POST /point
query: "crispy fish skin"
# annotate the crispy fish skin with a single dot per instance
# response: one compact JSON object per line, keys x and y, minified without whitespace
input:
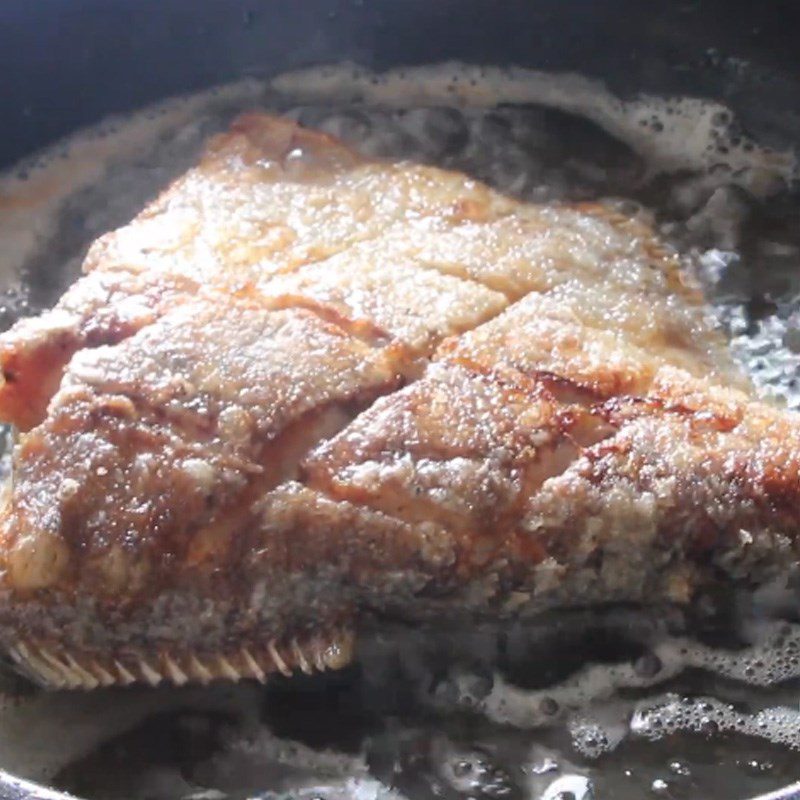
{"x":266,"y":198}
{"x":302,"y":386}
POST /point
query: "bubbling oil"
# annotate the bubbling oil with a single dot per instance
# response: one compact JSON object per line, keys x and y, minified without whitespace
{"x":772,"y":656}
{"x":508,"y":714}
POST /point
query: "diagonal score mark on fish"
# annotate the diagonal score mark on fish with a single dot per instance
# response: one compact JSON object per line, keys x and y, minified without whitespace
{"x":304,"y":389}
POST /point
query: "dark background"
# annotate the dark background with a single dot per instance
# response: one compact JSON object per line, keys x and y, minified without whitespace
{"x":66,"y":63}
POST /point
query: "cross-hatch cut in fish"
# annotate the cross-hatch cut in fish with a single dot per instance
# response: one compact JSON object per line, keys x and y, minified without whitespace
{"x":303,"y":388}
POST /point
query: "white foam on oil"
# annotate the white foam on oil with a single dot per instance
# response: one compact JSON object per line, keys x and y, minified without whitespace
{"x":259,"y":758}
{"x":586,"y":699}
{"x":656,"y":718}
{"x":42,"y":734}
{"x":671,"y":134}
{"x":264,"y":746}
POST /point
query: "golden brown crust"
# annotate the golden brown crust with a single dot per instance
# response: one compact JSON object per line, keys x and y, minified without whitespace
{"x":151,"y":448}
{"x":302,"y":384}
{"x":268,"y":197}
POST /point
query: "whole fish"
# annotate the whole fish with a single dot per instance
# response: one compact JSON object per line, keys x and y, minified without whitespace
{"x":305,"y":389}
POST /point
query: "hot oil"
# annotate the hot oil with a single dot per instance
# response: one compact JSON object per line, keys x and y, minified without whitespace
{"x":390,"y":726}
{"x":628,"y":706}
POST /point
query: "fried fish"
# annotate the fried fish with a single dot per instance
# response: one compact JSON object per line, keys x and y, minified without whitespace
{"x":304,"y":388}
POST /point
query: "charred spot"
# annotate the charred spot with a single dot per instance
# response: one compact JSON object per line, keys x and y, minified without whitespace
{"x":595,"y":559}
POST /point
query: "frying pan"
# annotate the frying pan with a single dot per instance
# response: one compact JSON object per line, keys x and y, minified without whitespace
{"x":68,"y":63}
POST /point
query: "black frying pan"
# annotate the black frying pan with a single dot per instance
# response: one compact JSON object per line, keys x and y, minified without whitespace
{"x":68,"y":63}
